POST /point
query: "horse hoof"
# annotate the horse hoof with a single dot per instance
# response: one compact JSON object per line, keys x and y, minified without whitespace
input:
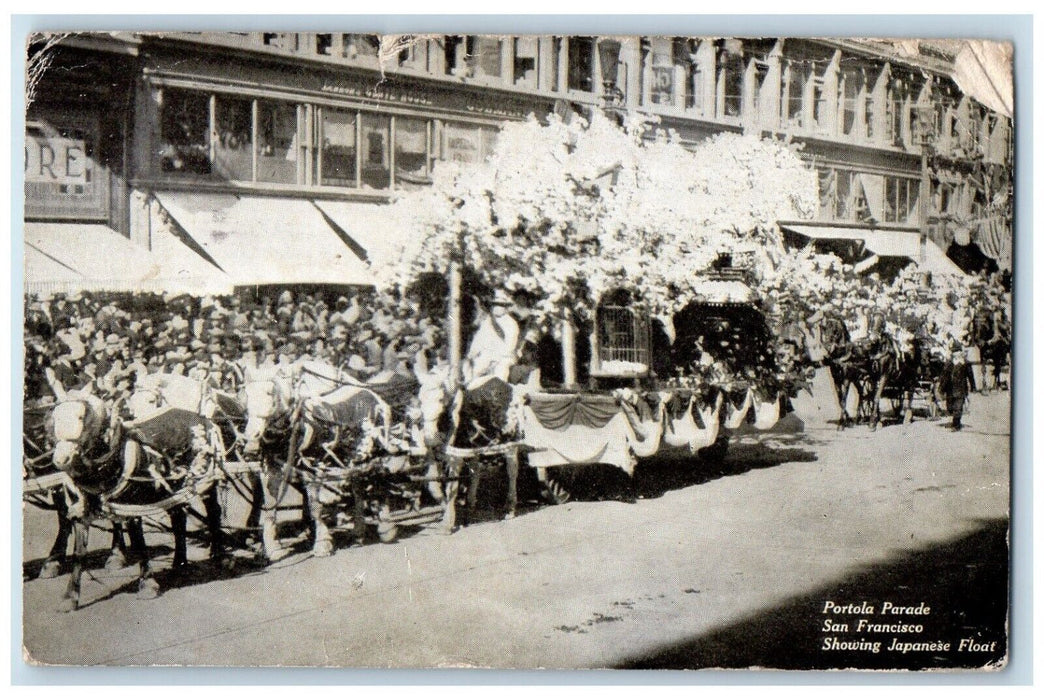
{"x":272,"y":556}
{"x":115,"y":562}
{"x":225,"y":562}
{"x":68,"y":605}
{"x":148,"y":589}
{"x":50,"y":569}
{"x":510,"y":515}
{"x":322,"y":548}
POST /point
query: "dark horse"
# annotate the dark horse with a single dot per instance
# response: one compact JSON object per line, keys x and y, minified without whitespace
{"x":991,"y":334}
{"x":125,"y":472}
{"x":838,"y":358}
{"x":889,"y":364}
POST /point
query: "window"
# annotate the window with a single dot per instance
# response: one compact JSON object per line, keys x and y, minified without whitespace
{"x":525,"y":66}
{"x":376,"y":164}
{"x":467,"y":143}
{"x":661,"y":91}
{"x":324,"y":44}
{"x":411,"y":150}
{"x":277,"y":155}
{"x":853,"y":90}
{"x":337,"y":152}
{"x":233,"y":147}
{"x":581,"y":63}
{"x":361,"y":45}
{"x":456,"y":56}
{"x":901,"y":196}
{"x":244,"y":139}
{"x":185,"y":132}
{"x":281,"y":40}
{"x":794,"y":81}
{"x":484,"y":56}
{"x":819,"y":101}
{"x":730,"y":83}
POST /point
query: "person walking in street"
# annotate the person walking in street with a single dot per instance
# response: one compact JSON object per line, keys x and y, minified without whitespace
{"x":956,"y":384}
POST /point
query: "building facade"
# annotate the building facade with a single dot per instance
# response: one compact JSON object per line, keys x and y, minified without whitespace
{"x":286,"y":142}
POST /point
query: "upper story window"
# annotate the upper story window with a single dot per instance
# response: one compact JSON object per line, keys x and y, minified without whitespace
{"x":485,"y":56}
{"x":854,"y":99}
{"x":901,"y":200}
{"x":277,"y":141}
{"x":526,"y":57}
{"x":287,"y":41}
{"x":184,"y":132}
{"x":467,"y":143}
{"x":360,"y":46}
{"x":338,"y":161}
{"x":581,"y":63}
{"x":795,"y":77}
{"x":672,"y":69}
{"x":730,"y":79}
{"x":845,"y":195}
{"x":245,"y":139}
{"x":234,"y":141}
{"x":412,"y":146}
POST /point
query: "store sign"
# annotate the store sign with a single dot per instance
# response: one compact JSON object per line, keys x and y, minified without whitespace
{"x":462,"y":144}
{"x":55,"y":159}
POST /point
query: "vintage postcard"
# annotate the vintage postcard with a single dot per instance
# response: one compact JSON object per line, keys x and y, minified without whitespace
{"x":517,"y":352}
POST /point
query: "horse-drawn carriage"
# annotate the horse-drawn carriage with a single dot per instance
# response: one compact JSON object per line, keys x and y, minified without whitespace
{"x":394,"y":451}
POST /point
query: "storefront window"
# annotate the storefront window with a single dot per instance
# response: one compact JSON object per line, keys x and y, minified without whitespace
{"x":233,"y":149}
{"x":376,"y":170}
{"x":411,"y":150}
{"x":338,"y":157}
{"x":185,"y":132}
{"x":276,"y":147}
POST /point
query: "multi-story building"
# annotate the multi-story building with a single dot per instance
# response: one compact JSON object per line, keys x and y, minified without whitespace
{"x":269,"y":155}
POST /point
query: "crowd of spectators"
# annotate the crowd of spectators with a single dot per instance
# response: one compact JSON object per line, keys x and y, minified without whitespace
{"x":102,"y":341}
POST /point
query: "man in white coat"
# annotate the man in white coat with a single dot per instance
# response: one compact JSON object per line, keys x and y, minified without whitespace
{"x":494,"y":349}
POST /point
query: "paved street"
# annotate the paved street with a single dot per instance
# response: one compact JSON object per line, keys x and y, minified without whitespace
{"x":714,"y":566}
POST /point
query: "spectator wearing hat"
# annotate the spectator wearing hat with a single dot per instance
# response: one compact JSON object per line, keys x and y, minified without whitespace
{"x":955,"y":384}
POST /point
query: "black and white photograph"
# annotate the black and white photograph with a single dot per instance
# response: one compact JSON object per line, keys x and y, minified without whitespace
{"x":517,"y":352}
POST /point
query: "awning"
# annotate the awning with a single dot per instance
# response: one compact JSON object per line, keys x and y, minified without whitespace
{"x":68,"y":257}
{"x":379,"y":237}
{"x":265,"y":240}
{"x":884,"y":244}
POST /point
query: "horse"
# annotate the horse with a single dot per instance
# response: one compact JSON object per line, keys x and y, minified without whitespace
{"x":837,"y":347}
{"x":990,"y":333}
{"x":115,"y":470}
{"x":894,"y":363}
{"x":310,"y":424}
{"x":44,"y":487}
{"x":269,"y":402}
